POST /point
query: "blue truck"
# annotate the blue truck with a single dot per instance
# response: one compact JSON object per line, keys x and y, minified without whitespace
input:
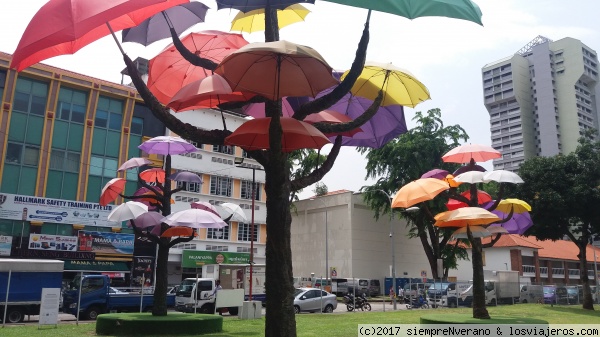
{"x":24,"y":280}
{"x":98,"y":297}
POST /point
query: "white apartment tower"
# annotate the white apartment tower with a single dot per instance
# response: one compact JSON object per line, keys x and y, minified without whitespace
{"x":541,"y":99}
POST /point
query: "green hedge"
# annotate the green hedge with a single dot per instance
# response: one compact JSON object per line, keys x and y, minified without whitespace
{"x":128,"y":324}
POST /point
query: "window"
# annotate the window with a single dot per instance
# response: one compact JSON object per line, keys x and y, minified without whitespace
{"x":220,"y":186}
{"x":190,"y":187}
{"x":137,"y":126}
{"x":109,"y":113}
{"x":246,"y":250}
{"x":247,"y":190}
{"x":30,"y":96}
{"x":244,"y":232}
{"x":64,"y":161}
{"x":212,"y":248}
{"x":71,"y":105}
{"x":2,"y":82}
{"x":223,"y":149}
{"x":218,"y":233}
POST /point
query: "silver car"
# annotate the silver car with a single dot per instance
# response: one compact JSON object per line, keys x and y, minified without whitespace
{"x":312,"y":300}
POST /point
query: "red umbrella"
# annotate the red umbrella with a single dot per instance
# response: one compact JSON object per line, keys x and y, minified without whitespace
{"x":333,"y":117}
{"x":64,"y":26}
{"x":482,"y":197}
{"x":168,"y":72}
{"x":178,"y":231}
{"x":207,"y":92}
{"x":153,"y":175}
{"x":466,"y":152}
{"x":254,"y":135}
{"x":111,"y":191}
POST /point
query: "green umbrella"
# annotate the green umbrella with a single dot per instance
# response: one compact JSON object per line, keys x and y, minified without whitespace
{"x":412,"y":9}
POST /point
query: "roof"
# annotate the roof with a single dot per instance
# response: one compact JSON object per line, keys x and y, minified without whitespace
{"x":514,"y":240}
{"x":329,"y":193}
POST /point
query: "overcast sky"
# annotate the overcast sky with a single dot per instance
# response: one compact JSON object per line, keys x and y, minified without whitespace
{"x":445,"y":54}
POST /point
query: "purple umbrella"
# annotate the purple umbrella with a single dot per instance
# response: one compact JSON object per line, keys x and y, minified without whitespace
{"x":518,"y":224}
{"x":250,"y":5}
{"x":147,"y":219}
{"x":167,"y":145}
{"x":134,"y":162}
{"x":207,"y":206}
{"x":436,"y":173}
{"x":186,"y":177}
{"x":195,"y":218}
{"x":156,"y":27}
{"x":468,"y":168}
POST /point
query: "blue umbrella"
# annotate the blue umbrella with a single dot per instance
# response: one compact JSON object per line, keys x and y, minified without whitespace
{"x":250,"y":5}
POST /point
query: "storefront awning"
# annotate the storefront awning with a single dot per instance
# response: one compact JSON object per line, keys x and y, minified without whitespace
{"x":98,"y":266}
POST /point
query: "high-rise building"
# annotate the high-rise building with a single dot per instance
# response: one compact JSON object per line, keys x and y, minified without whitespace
{"x":541,"y":99}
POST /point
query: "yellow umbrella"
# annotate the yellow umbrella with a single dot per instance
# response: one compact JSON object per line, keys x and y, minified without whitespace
{"x":254,"y":21}
{"x":466,"y":216}
{"x":518,"y":205}
{"x":417,"y":191}
{"x":399,"y":86}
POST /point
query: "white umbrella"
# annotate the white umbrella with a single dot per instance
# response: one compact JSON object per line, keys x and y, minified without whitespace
{"x":235,"y":211}
{"x":134,"y":162}
{"x":497,"y":230}
{"x":502,"y":176}
{"x":195,"y":218}
{"x":477,"y":231}
{"x":471,"y":177}
{"x":207,"y":206}
{"x":127,"y":211}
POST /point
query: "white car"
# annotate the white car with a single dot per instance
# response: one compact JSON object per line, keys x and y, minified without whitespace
{"x":313,"y":300}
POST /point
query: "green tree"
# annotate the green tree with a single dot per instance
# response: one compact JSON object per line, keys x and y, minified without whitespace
{"x":404,"y":160}
{"x":564,"y":193}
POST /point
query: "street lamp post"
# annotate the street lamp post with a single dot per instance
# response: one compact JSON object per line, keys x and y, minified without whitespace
{"x":408,"y":210}
{"x":238,"y":162}
{"x":326,"y":243}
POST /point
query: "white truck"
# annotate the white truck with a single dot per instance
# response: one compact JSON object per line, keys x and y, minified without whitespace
{"x":502,"y":286}
{"x":194,"y":294}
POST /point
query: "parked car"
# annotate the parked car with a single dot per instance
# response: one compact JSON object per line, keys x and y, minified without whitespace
{"x":549,"y":294}
{"x":312,"y":300}
{"x":567,"y":295}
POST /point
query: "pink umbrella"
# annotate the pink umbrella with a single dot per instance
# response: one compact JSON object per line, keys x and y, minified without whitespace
{"x":186,"y":177}
{"x":466,"y":152}
{"x":167,"y":145}
{"x":257,"y":110}
{"x":207,"y":92}
{"x":134,"y":162}
{"x":153,"y":175}
{"x":333,"y":117}
{"x":195,"y":218}
{"x":436,"y":173}
{"x":147,"y":219}
{"x":205,"y":206}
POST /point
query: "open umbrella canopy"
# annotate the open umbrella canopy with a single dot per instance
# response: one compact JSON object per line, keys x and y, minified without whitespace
{"x":153,"y":175}
{"x":156,"y":28}
{"x":417,"y":191}
{"x":482,"y":196}
{"x":254,"y":21}
{"x":399,"y":86}
{"x":134,"y":162}
{"x":412,"y":9}
{"x":234,"y":211}
{"x":111,"y":191}
{"x":250,"y":5}
{"x":502,"y":176}
{"x":205,"y":206}
{"x":464,"y":153}
{"x":257,"y":110}
{"x":206,"y":92}
{"x":168,"y":72}
{"x":519,"y":223}
{"x":254,"y":135}
{"x":516,"y":205}
{"x":436,"y":173}
{"x":167,"y":145}
{"x":186,"y":177}
{"x":127,"y":211}
{"x":469,"y":167}
{"x":194,"y":218}
{"x":471,"y":177}
{"x":450,"y":180}
{"x":284,"y":69}
{"x":466,"y":216}
{"x":64,"y":26}
{"x":178,"y":231}
{"x":332,"y":117}
{"x":147,"y":219}
{"x":476,"y":231}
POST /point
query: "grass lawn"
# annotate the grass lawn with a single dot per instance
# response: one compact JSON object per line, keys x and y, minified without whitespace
{"x":338,"y":325}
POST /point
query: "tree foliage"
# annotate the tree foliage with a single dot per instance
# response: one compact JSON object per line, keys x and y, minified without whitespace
{"x":564,"y":194}
{"x":404,"y":160}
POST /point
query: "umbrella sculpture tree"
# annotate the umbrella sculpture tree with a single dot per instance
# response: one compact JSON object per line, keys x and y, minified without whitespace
{"x":405,"y":159}
{"x":564,"y":192}
{"x":280,"y":317}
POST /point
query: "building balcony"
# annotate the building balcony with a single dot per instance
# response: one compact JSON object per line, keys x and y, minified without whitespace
{"x":573,"y":273}
{"x":543,"y":271}
{"x":558,"y":272}
{"x":528,"y":271}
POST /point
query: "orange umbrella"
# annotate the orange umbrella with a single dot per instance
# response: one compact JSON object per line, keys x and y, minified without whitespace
{"x":333,"y":117}
{"x":207,"y":92}
{"x":417,"y":191}
{"x":482,"y":197}
{"x":466,"y":152}
{"x":450,"y":180}
{"x":111,"y":190}
{"x":153,"y":175}
{"x":254,"y":135}
{"x":466,"y":216}
{"x":178,"y":231}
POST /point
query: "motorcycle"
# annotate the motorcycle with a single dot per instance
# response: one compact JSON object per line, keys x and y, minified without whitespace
{"x":416,"y":302}
{"x":359,"y":302}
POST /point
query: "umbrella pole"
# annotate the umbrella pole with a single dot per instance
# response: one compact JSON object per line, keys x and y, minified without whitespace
{"x":167,"y":19}
{"x":115,"y":37}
